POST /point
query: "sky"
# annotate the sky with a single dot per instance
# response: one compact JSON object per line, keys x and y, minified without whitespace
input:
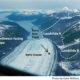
{"x":39,"y":4}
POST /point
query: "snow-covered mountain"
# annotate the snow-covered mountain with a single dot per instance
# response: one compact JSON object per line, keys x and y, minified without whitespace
{"x":35,"y":12}
{"x":66,"y":9}
{"x":51,"y":11}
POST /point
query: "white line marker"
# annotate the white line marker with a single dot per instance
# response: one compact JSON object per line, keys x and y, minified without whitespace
{"x":52,"y":25}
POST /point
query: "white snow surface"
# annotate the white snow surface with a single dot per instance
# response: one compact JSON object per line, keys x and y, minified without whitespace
{"x":39,"y":65}
{"x":36,"y":12}
{"x":70,"y":10}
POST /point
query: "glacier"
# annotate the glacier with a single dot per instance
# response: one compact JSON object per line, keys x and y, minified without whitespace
{"x":38,"y":65}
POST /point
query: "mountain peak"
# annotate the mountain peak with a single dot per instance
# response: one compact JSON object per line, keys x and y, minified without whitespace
{"x":75,"y":10}
{"x":70,"y":10}
{"x":66,"y":9}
